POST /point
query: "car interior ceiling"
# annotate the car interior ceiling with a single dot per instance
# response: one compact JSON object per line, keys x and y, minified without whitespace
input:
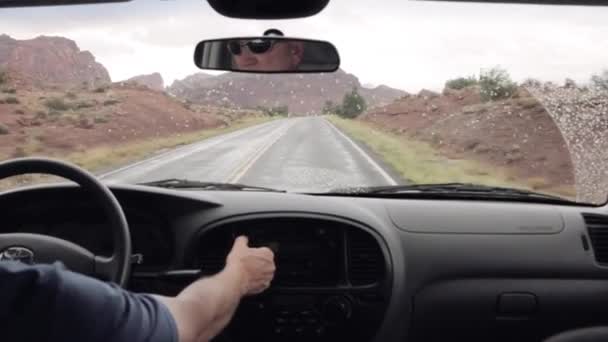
{"x":355,"y":268}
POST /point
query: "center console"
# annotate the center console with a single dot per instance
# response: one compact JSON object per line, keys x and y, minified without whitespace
{"x":331,"y":281}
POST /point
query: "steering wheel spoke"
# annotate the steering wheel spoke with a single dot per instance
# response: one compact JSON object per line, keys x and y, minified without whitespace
{"x":105,"y":267}
{"x":43,"y":249}
{"x":35,"y":248}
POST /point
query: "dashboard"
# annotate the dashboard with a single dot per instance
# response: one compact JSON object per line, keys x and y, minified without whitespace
{"x":356,"y":269}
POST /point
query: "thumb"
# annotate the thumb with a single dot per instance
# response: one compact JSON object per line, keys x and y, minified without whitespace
{"x":241,"y":241}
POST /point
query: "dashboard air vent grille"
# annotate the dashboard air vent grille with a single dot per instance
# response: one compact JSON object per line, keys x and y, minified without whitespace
{"x":213,"y":252}
{"x":366,"y":261}
{"x":597,"y":225}
{"x":211,"y":263}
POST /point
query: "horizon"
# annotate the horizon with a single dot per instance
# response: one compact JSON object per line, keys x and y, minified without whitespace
{"x":167,"y":84}
{"x":410,"y":51}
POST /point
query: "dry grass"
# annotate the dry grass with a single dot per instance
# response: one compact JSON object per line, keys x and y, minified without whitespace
{"x":105,"y":158}
{"x":108,"y":157}
{"x":420,"y":163}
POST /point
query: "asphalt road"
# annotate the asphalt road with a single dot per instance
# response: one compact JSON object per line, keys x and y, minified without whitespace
{"x":298,"y":154}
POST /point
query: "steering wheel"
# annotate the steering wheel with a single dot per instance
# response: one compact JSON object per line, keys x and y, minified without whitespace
{"x":46,"y":249}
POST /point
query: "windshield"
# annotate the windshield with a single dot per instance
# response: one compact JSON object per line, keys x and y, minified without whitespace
{"x":504,"y":95}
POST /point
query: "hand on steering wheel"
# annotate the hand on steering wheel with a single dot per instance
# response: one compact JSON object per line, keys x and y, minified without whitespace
{"x":47,"y":249}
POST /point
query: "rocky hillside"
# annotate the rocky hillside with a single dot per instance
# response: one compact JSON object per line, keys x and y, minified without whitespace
{"x":582,"y":116}
{"x":153,"y":81}
{"x":55,"y":122}
{"x":302,"y":93}
{"x":49,"y":62}
{"x":58,"y":100}
{"x":517,"y":134}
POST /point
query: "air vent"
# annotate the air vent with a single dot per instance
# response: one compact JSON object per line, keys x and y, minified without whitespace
{"x":597,"y":225}
{"x":212,"y":252}
{"x":211,"y":263}
{"x":366,"y":262}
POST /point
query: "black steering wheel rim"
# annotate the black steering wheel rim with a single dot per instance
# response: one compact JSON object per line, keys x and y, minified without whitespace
{"x":116,"y":268}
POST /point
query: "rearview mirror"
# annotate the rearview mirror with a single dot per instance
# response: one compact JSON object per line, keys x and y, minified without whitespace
{"x":267,"y":55}
{"x":268,"y":9}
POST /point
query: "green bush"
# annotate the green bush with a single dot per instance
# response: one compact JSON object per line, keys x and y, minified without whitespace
{"x":12,"y":100}
{"x":57,"y":104}
{"x":110,"y":102}
{"x":461,"y":82}
{"x":84,"y":104}
{"x":85,"y":122}
{"x":101,"y":119}
{"x":353,"y":104}
{"x":331,"y":108}
{"x":531,"y":83}
{"x":496,"y":84}
{"x":3,"y":77}
{"x":600,"y":81}
{"x":274,"y":111}
{"x":279,"y":111}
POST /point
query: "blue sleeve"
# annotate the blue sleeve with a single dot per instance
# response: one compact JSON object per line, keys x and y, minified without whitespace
{"x":49,"y":303}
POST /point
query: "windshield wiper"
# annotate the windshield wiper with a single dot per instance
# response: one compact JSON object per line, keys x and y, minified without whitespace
{"x":452,"y":190}
{"x":174,"y":183}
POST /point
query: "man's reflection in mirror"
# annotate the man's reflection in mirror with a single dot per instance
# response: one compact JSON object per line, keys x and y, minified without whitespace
{"x":266,"y":54}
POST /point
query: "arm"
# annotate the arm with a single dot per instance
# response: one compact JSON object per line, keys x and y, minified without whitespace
{"x":50,"y":303}
{"x":205,"y":307}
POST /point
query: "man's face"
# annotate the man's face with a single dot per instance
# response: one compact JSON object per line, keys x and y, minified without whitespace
{"x":282,"y":56}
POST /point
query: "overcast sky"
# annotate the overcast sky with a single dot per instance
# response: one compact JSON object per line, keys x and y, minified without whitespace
{"x":404,"y":44}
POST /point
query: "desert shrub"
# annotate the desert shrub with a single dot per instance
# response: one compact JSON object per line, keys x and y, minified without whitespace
{"x":56,"y":103}
{"x":84,"y":104}
{"x":496,"y":84}
{"x":19,"y":112}
{"x":4,"y":129}
{"x":85,"y":122}
{"x":19,"y":152}
{"x":110,"y":102}
{"x":3,"y":76}
{"x":101,"y":89}
{"x":531,"y":83}
{"x":40,"y":115}
{"x":528,"y":102}
{"x":12,"y":100}
{"x":331,"y":108}
{"x":101,"y":119}
{"x":353,"y":104}
{"x":70,"y":95}
{"x":9,"y":91}
{"x":274,"y":111}
{"x":461,"y":82}
{"x":600,"y":81}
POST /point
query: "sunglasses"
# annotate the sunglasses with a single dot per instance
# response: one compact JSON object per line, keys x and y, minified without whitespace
{"x":257,"y":46}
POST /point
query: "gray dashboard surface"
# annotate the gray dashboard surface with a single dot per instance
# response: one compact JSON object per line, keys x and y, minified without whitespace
{"x":429,"y":243}
{"x":475,"y":217}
